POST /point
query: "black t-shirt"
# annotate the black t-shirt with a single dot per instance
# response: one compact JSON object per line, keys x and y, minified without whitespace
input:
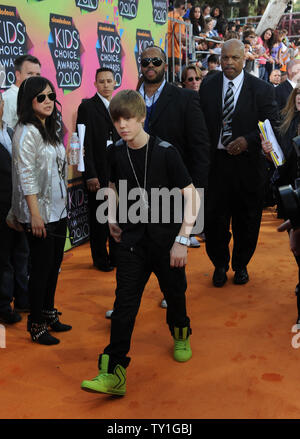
{"x":177,"y":172}
{"x":137,"y":157}
{"x":121,"y":169}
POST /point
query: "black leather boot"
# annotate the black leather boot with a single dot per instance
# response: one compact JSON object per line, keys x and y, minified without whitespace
{"x":39,"y":333}
{"x":52,"y":320}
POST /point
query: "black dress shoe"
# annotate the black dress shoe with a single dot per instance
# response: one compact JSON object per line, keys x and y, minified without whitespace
{"x":241,"y":276}
{"x":10,"y":317}
{"x":219,"y":277}
{"x":104,"y":267}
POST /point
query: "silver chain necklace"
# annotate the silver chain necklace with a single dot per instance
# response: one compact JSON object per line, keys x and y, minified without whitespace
{"x":143,"y":190}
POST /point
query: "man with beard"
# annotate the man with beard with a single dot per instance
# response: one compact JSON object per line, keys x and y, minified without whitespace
{"x":174,"y":114}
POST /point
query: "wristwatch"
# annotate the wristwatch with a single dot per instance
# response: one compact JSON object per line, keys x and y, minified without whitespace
{"x":182,"y":240}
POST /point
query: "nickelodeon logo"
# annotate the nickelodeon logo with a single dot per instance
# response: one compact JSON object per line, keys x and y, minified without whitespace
{"x":61,"y":21}
{"x":6,"y":12}
{"x":106,"y":28}
{"x":144,"y":34}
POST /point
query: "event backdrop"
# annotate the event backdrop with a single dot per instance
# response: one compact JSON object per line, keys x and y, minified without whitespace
{"x":72,"y":38}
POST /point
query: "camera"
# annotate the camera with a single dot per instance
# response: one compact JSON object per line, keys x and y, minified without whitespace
{"x":290,"y":197}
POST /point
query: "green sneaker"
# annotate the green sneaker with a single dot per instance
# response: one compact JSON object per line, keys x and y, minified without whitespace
{"x":112,"y":383}
{"x":182,"y":348}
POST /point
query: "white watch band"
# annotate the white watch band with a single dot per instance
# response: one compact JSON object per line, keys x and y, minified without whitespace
{"x":182,"y":240}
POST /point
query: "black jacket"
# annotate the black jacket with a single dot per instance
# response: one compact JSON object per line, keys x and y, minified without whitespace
{"x":5,"y":178}
{"x":99,"y":128}
{"x":282,"y":93}
{"x":256,"y":103}
{"x":178,"y":119}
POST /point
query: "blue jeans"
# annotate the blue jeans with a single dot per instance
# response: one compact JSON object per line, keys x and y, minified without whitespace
{"x":263,"y":74}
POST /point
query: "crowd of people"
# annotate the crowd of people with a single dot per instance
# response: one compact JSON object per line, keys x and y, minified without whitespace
{"x":266,"y":55}
{"x":201,"y":134}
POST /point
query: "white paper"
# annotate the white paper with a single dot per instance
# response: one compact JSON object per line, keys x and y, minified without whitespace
{"x":81,"y":134}
{"x":275,"y":145}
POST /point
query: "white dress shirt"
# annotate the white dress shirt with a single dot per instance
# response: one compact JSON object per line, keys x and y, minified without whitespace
{"x":104,"y":100}
{"x":237,"y":85}
{"x":293,"y":84}
{"x":5,"y":139}
{"x":10,"y":97}
{"x":150,"y":101}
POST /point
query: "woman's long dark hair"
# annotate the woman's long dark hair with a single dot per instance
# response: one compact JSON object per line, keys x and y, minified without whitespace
{"x":269,"y":42}
{"x":195,"y":22}
{"x":221,"y":13}
{"x":28,"y":90}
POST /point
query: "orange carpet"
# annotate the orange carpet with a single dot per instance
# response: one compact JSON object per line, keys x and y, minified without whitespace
{"x":243,"y":364}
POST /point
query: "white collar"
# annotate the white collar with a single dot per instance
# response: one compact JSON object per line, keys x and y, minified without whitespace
{"x":293,"y":84}
{"x":158,"y":91}
{"x":14,"y":87}
{"x":104,"y":100}
{"x":236,"y":81}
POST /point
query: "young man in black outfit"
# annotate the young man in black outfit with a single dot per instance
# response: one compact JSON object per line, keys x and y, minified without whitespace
{"x":144,"y":164}
{"x":99,"y":133}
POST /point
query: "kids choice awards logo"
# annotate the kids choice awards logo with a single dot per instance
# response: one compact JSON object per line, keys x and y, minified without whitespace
{"x":87,"y":5}
{"x":64,"y":44}
{"x":109,"y":50}
{"x":143,"y":41}
{"x":160,"y":11}
{"x":13,"y":43}
{"x":128,"y":8}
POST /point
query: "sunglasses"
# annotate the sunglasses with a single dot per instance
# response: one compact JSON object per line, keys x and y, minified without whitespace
{"x":197,"y":78}
{"x":155,"y":61}
{"x":40,"y":98}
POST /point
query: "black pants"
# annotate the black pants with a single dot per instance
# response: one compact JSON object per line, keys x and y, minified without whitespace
{"x":14,"y":256}
{"x":99,"y":233}
{"x":229,"y":202}
{"x":46,"y":257}
{"x":134,"y":267}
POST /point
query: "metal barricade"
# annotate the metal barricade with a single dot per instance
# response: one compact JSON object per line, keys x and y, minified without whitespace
{"x":190,"y":52}
{"x":195,"y":51}
{"x":185,"y":46}
{"x":289,"y":21}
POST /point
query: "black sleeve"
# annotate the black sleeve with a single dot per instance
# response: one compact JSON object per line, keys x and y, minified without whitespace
{"x":267,"y":109}
{"x":177,"y":172}
{"x":111,"y":163}
{"x":197,"y":142}
{"x":279,"y":97}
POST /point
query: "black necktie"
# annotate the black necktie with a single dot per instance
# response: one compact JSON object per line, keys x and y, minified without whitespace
{"x":227,"y":115}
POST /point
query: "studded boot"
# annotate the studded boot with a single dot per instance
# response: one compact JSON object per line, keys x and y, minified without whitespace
{"x":52,"y":320}
{"x":39,"y":333}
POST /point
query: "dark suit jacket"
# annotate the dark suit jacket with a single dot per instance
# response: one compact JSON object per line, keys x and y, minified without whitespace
{"x":5,"y":179}
{"x":178,"y":119}
{"x":256,"y":103}
{"x":282,"y":93}
{"x":99,"y":128}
